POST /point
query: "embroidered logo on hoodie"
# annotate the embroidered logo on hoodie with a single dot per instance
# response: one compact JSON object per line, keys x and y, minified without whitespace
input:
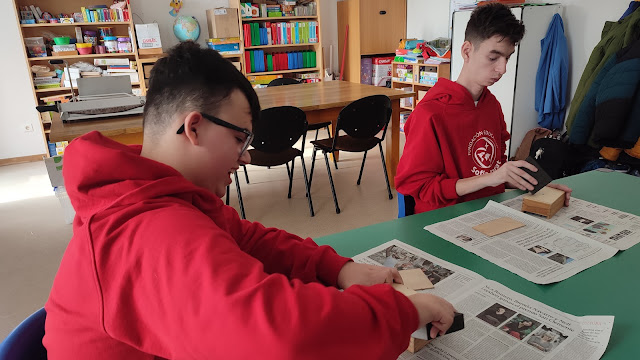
{"x":483,"y":149}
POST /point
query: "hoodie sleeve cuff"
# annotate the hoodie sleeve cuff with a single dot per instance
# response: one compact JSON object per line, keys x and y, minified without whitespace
{"x":449,"y":188}
{"x":331,"y":266}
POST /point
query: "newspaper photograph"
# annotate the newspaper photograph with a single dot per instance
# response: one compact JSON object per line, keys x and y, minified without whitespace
{"x":499,"y":323}
{"x":609,"y":226}
{"x":538,"y":251}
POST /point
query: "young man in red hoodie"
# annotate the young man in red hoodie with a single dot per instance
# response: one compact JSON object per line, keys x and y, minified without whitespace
{"x":456,"y":137}
{"x":159,"y":268}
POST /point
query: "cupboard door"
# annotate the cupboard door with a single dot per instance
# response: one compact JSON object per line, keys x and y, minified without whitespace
{"x":382,"y":24}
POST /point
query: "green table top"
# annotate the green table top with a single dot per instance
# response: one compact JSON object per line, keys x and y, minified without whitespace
{"x":608,"y":288}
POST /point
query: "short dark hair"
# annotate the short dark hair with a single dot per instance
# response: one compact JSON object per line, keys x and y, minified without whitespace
{"x":493,"y":19}
{"x":191,"y":78}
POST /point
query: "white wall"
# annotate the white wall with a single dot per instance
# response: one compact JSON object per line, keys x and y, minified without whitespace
{"x":427,"y":19}
{"x":17,"y":105}
{"x":154,"y":11}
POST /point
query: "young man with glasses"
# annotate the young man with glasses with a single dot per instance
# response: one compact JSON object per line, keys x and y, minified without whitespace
{"x":159,"y":267}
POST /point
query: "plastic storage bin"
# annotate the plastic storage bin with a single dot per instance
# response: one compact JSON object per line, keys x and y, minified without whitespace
{"x":36,"y":46}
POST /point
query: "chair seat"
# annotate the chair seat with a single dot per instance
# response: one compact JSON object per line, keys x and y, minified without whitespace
{"x":260,"y":158}
{"x":318,"y":126}
{"x":347,"y":143}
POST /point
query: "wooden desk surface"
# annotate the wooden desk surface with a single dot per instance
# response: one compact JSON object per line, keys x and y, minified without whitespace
{"x":308,"y":97}
{"x":111,"y":127}
{"x":323,"y":95}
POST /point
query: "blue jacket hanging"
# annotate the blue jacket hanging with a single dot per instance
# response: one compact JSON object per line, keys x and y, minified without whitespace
{"x":552,"y":76}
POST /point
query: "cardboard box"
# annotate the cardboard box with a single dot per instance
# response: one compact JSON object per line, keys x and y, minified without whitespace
{"x":223,"y":23}
{"x":146,"y":68}
{"x":381,"y":70}
{"x":148,"y":36}
{"x":54,"y":169}
{"x":421,"y":94}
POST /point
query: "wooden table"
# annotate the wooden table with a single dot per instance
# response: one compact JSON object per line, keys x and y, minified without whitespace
{"x":321,"y":102}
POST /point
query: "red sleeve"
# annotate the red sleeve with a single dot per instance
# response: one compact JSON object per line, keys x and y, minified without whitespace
{"x":285,"y":253}
{"x":504,"y":135}
{"x":421,"y":171}
{"x":196,"y":294}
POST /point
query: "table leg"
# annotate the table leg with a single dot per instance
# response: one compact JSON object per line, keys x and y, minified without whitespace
{"x":392,"y":155}
{"x":324,"y":115}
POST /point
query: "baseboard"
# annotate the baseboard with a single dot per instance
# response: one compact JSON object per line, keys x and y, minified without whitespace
{"x":21,"y":159}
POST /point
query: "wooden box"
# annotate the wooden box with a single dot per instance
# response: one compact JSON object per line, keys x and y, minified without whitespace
{"x":545,"y":202}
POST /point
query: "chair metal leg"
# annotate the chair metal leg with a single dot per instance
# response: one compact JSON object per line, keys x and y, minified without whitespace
{"x":227,"y":197}
{"x":328,"y":131}
{"x":288,"y":170}
{"x":306,"y":184}
{"x":384,"y":168}
{"x":362,"y":167}
{"x":293,"y":162}
{"x":335,"y":162}
{"x":242,"y":214}
{"x":246,"y":176}
{"x":333,"y":189}
{"x":313,"y":163}
{"x":317,"y":131}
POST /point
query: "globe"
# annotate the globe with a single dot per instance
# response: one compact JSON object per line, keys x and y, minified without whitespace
{"x":186,"y":28}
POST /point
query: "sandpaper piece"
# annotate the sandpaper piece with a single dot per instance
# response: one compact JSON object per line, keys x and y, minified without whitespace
{"x":415,"y":279}
{"x":498,"y":226}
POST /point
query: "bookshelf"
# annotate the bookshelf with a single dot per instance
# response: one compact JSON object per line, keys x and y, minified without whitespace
{"x":54,"y":7}
{"x":314,"y":64}
{"x":416,"y":84}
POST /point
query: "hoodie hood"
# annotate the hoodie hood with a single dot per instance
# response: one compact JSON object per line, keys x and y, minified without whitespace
{"x":451,"y":93}
{"x":100,"y":173}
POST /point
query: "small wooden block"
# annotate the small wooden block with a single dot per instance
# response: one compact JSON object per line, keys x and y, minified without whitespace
{"x":498,"y":226}
{"x":416,"y":344}
{"x":545,"y":202}
{"x":415,"y":279}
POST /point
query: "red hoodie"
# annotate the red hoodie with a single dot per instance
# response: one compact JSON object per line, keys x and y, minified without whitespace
{"x":450,"y":138}
{"x":160,"y":268}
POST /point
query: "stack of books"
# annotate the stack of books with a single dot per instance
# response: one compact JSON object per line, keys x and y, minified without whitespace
{"x":258,"y":61}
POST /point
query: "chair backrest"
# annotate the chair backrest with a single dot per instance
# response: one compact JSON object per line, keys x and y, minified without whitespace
{"x":25,"y":341}
{"x":279,"y":128}
{"x":366,"y":117}
{"x":283,"y":81}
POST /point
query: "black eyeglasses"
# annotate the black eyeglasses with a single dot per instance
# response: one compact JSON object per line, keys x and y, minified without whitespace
{"x":223,"y":123}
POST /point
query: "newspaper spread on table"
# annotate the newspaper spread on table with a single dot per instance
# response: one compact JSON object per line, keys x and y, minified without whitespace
{"x":499,"y":323}
{"x":606,"y":225}
{"x":540,"y":251}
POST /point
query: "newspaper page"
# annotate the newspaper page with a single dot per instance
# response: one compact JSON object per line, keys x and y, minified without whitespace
{"x":502,"y":324}
{"x":450,"y":279}
{"x":499,"y":323}
{"x":539,"y":251}
{"x":606,"y":225}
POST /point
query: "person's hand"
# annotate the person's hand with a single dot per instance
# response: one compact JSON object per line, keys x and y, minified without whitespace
{"x":512,"y":174}
{"x":363,"y":274}
{"x":567,"y":191}
{"x":435,"y":310}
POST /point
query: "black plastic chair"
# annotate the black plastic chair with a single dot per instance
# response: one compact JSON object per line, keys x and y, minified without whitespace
{"x":361,"y":120}
{"x":310,"y":127}
{"x":276,"y":133}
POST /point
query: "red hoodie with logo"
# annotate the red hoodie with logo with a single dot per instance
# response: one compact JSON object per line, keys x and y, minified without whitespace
{"x":449,"y":138}
{"x":160,"y":268}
